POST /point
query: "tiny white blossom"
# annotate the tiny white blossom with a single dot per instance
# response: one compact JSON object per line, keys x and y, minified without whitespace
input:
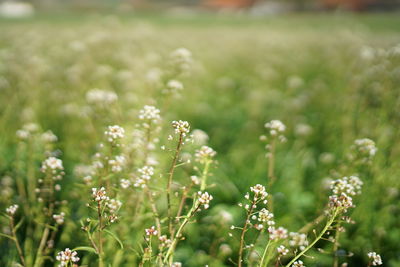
{"x":204,"y":154}
{"x":11,"y":210}
{"x":275,"y":127}
{"x":125,"y":183}
{"x":204,"y":199}
{"x":375,"y":258}
{"x":181,"y":127}
{"x":101,"y":97}
{"x":114,"y":133}
{"x":149,"y":113}
{"x":151,"y":231}
{"x":67,"y":256}
{"x":59,"y":218}
{"x":99,"y":194}
{"x":52,"y":163}
{"x":282,"y":250}
{"x":298,"y":263}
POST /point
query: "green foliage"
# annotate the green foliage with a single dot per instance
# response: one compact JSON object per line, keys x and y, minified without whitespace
{"x":331,"y":80}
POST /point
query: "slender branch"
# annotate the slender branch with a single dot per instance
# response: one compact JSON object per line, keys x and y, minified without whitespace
{"x":14,"y":234}
{"x":249,"y":213}
{"x":100,"y":234}
{"x":271,"y":172}
{"x":154,"y":210}
{"x":205,"y":175}
{"x":328,"y":224}
{"x":171,"y":175}
{"x":265,"y":254}
{"x":336,"y":246}
{"x":171,"y":249}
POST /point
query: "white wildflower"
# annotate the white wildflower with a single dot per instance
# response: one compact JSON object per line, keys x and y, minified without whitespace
{"x":181,"y":127}
{"x":67,"y":256}
{"x":99,"y":194}
{"x":204,"y":154}
{"x":11,"y":210}
{"x":204,"y":199}
{"x":375,"y":258}
{"x":275,"y":127}
{"x":125,"y":183}
{"x":149,"y":113}
{"x":59,"y":218}
{"x":114,"y":133}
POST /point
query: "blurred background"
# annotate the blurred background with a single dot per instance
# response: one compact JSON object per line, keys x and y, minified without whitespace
{"x":328,"y":69}
{"x":254,"y":7}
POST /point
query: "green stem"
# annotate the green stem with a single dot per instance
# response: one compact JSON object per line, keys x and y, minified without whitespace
{"x":14,"y":234}
{"x":171,"y":175}
{"x":264,"y":255}
{"x":328,"y":224}
{"x":205,"y":175}
{"x":170,"y":253}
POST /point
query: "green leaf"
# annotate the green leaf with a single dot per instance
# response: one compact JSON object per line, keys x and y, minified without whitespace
{"x":7,"y":236}
{"x":19,"y":224}
{"x":115,"y":237}
{"x":88,"y":249}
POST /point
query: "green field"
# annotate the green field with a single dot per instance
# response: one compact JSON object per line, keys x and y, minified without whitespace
{"x":331,"y":79}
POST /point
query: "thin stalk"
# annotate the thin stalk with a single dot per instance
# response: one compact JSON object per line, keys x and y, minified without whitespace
{"x":249,"y":213}
{"x":205,"y":175}
{"x":100,"y":235}
{"x":328,"y":224}
{"x":171,"y":175}
{"x":170,"y":253}
{"x":271,"y":173}
{"x":154,"y":210}
{"x":336,"y":246}
{"x":14,"y":234}
{"x":265,"y":254}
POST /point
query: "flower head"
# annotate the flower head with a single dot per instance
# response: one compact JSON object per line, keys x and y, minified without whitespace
{"x":259,"y":192}
{"x":149,"y":113}
{"x":67,"y":256}
{"x":375,"y":258}
{"x":99,"y":194}
{"x":204,"y":199}
{"x":181,"y":127}
{"x":282,"y":250}
{"x":204,"y":154}
{"x":101,"y":97}
{"x":59,"y":218}
{"x":277,"y":233}
{"x":298,"y":263}
{"x":114,"y":133}
{"x":11,"y":210}
{"x":275,"y":127}
{"x":52,"y":163}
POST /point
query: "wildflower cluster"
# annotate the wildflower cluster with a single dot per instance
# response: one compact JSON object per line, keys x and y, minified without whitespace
{"x":204,"y":154}
{"x":145,"y":174}
{"x":342,"y":190}
{"x":106,"y":207}
{"x":114,"y":133}
{"x":181,"y":127}
{"x":364,"y":150}
{"x":204,"y":199}
{"x":275,"y":129}
{"x":149,"y":114}
{"x":67,"y":257}
{"x":11,"y":210}
{"x":375,"y":259}
{"x":181,"y":59}
{"x":100,"y":97}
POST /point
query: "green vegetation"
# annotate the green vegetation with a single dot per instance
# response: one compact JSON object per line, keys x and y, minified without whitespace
{"x":330,"y":79}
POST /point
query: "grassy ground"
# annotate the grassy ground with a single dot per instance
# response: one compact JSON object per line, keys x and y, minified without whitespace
{"x":330,"y":79}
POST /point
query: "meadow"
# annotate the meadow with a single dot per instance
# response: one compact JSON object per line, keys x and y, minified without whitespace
{"x":200,"y":140}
